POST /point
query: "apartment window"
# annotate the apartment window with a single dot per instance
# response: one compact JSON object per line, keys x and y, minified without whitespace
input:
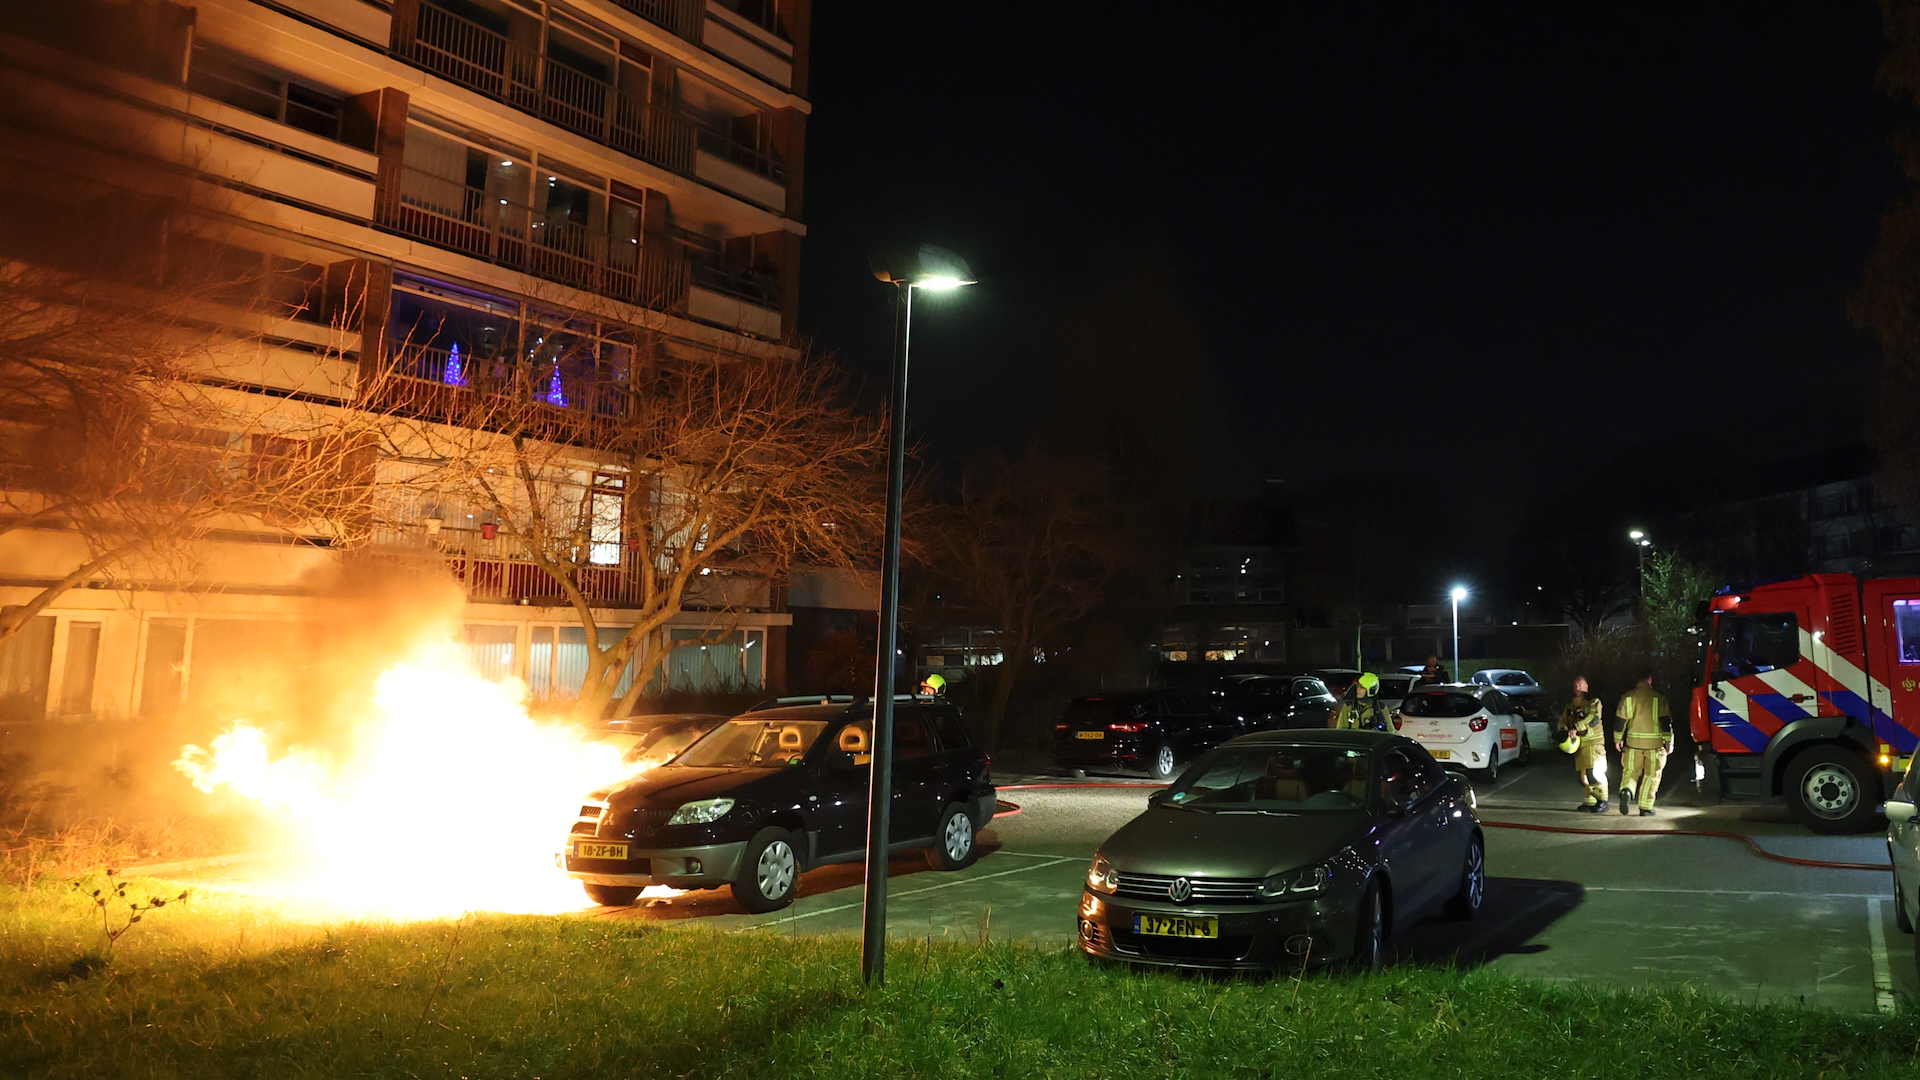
{"x":232,"y":79}
{"x":606,"y":503}
{"x":442,"y":335}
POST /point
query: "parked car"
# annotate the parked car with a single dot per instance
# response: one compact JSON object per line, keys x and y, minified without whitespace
{"x":1337,"y":679}
{"x":1394,"y":686}
{"x":1150,"y":731}
{"x":1466,"y":726}
{"x":1903,"y":849}
{"x":1527,"y":696}
{"x":1286,"y":847}
{"x":654,"y":739}
{"x":770,"y":794}
{"x":1284,"y":702}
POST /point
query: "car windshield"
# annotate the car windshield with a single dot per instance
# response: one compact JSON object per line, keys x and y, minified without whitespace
{"x":659,"y":743}
{"x":1513,"y":678}
{"x":756,"y":744}
{"x":1395,"y":685}
{"x":1440,"y":703}
{"x":1275,"y":779}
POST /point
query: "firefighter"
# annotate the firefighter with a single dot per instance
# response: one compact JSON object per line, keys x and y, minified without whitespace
{"x":1644,"y":739}
{"x":1433,"y":672}
{"x":1583,"y":728}
{"x":1361,"y":710}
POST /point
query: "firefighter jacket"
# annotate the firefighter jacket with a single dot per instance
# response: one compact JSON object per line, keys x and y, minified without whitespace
{"x":1364,"y":715}
{"x":1581,"y":719}
{"x":1645,"y":721}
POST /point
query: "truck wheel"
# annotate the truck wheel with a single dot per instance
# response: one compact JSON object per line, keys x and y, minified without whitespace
{"x":1831,"y":790}
{"x":612,"y":895}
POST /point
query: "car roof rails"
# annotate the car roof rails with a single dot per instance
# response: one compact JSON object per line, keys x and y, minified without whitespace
{"x":805,"y":699}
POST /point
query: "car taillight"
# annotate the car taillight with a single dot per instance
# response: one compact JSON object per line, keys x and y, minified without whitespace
{"x":1061,"y":726}
{"x":1478,"y":723}
{"x":1130,"y":725}
{"x":1396,"y":721}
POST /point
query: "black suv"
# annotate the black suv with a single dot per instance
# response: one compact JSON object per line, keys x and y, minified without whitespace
{"x":1284,"y":701}
{"x":774,"y":792}
{"x":1151,"y":731}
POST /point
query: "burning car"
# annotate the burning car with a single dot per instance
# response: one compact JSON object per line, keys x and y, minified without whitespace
{"x":770,"y":794}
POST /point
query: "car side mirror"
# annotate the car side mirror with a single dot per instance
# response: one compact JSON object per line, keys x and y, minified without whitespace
{"x":1900,"y":813}
{"x":1158,"y":798}
{"x":839,"y":761}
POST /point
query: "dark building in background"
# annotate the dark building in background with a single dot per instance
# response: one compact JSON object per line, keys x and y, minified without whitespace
{"x":1821,"y":513}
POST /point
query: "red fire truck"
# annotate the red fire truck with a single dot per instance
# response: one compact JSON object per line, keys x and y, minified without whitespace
{"x":1811,"y":690}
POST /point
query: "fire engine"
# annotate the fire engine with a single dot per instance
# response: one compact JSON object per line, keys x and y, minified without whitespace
{"x":1810,"y":690}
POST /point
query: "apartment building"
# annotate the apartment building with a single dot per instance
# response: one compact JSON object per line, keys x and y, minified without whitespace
{"x":460,"y":181}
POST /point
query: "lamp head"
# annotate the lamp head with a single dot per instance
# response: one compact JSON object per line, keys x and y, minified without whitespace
{"x":924,"y":267}
{"x":1636,"y":534}
{"x":1459,"y":593}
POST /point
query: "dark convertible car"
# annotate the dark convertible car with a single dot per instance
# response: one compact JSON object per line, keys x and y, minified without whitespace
{"x":770,"y":794}
{"x":1287,"y":847}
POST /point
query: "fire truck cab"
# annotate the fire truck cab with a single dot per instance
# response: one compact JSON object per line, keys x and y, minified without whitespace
{"x":1810,"y":689}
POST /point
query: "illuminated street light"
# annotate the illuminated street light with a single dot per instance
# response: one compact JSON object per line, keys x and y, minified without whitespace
{"x":1459,"y":593}
{"x":926,"y":267}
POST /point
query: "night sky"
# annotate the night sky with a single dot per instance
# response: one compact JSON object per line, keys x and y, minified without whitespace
{"x":1482,"y":240}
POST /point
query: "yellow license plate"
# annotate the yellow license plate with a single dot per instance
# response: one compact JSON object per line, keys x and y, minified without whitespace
{"x":1176,"y":926}
{"x":1441,"y":754}
{"x":599,"y":851}
{"x":1091,"y":735}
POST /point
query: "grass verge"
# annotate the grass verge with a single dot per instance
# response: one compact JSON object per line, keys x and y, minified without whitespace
{"x":223,"y":988}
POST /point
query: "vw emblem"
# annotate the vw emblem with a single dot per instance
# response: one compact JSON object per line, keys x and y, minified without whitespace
{"x":1180,"y":891}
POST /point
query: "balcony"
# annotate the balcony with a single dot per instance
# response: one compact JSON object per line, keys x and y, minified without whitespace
{"x":508,"y":232}
{"x":681,"y":18}
{"x":492,"y":567}
{"x":487,"y":62}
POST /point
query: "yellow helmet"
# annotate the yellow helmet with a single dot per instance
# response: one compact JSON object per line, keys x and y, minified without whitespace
{"x":935,"y":683}
{"x":1569,"y":744}
{"x":1369,"y":682}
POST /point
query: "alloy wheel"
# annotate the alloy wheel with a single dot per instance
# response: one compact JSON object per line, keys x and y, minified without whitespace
{"x":1476,"y":876}
{"x":1163,"y":761}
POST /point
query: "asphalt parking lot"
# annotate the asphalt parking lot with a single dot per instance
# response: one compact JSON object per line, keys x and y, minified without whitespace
{"x":1612,"y":910}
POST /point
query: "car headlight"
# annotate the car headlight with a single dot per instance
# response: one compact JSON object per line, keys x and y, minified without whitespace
{"x":1310,"y":881}
{"x":1101,"y":876}
{"x":699,"y":813}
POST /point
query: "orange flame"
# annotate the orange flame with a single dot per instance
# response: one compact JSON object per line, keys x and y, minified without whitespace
{"x":450,"y":799}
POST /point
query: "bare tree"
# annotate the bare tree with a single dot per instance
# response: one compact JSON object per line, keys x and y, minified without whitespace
{"x":650,"y":486}
{"x":123,"y":439}
{"x":1028,"y":546}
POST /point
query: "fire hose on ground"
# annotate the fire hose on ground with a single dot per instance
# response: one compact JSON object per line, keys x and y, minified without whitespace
{"x":1751,"y":844}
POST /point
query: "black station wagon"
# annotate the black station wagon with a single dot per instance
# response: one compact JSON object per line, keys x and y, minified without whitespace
{"x":770,"y":794}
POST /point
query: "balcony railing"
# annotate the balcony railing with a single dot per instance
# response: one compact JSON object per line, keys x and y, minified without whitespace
{"x":682,"y":18}
{"x":751,"y":158}
{"x":509,"y":233}
{"x":483,"y":60}
{"x":431,"y":379}
{"x":494,"y":569}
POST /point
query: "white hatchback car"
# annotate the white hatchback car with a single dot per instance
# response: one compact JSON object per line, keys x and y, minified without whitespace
{"x":1465,"y":726}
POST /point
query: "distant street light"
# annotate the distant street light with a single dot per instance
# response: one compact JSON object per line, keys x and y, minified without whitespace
{"x":1640,"y":546}
{"x":926,"y":267}
{"x":1459,"y":593}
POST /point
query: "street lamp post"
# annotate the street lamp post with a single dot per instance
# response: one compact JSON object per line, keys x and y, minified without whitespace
{"x":1640,"y":546}
{"x":1459,"y":593}
{"x":927,"y":267}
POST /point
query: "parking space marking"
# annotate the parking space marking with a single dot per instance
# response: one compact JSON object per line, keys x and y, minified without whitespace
{"x":1733,"y":892}
{"x":1882,"y":971}
{"x":911,"y":892}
